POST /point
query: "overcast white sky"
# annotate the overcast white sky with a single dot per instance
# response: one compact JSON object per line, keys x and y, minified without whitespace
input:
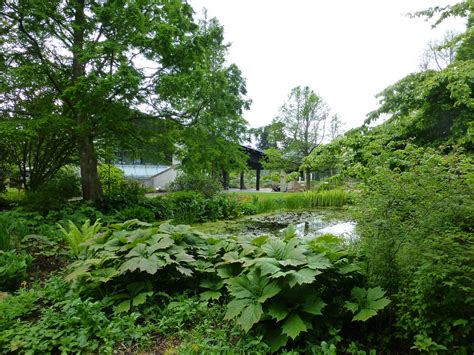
{"x":345,"y":50}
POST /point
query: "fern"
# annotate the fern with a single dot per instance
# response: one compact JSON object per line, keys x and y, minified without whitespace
{"x":75,"y":236}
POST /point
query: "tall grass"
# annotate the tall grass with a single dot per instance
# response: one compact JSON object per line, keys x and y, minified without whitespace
{"x":304,"y":200}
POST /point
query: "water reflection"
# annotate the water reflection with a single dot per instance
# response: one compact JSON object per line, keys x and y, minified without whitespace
{"x":307,"y":224}
{"x":319,"y":227}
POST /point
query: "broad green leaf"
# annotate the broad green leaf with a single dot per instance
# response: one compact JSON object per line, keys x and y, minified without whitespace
{"x":211,"y":284}
{"x":250,"y":315}
{"x":364,"y":314}
{"x":130,"y":265}
{"x":82,"y":270}
{"x":105,"y":274}
{"x":293,"y":326}
{"x":378,"y":304}
{"x":224,"y":271}
{"x":139,"y":250}
{"x":375,"y":293}
{"x":269,"y":291}
{"x":240,"y":287}
{"x":348,"y":268}
{"x":314,"y":306}
{"x":248,"y":250}
{"x":303,"y":276}
{"x":140,"y":298}
{"x":183,"y":257}
{"x":275,"y":248}
{"x":210,"y":295}
{"x":163,"y":243}
{"x":149,"y":265}
{"x":278,"y":311}
{"x":259,"y":241}
{"x":268,"y":268}
{"x":359,"y":293}
{"x":231,"y":257}
{"x":234,"y":308}
{"x":184,"y":270}
{"x":279,"y":274}
{"x":318,"y":262}
{"x":353,"y":307}
{"x":123,"y":306}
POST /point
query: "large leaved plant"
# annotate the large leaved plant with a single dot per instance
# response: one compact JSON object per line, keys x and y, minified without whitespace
{"x":284,"y":284}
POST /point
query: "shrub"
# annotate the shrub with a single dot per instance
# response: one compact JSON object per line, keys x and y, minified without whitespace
{"x":111,"y":178}
{"x":188,"y":207}
{"x":55,"y":193}
{"x":137,"y":212}
{"x":13,"y":268}
{"x":203,"y":184}
{"x":162,"y":207}
{"x":222,"y":207}
{"x":119,"y":192}
{"x":416,"y":230}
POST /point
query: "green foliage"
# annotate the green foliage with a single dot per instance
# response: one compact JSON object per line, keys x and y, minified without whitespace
{"x":366,"y":302}
{"x":279,"y":285}
{"x":203,"y":184}
{"x":54,"y":193}
{"x":111,"y":178}
{"x":76,"y":236}
{"x":11,"y":230}
{"x":121,"y":255}
{"x":83,"y":326}
{"x":304,"y":200}
{"x":283,"y":285}
{"x":187,"y":207}
{"x":414,"y":219}
{"x":276,"y":159}
{"x":13,"y":268}
{"x":201,"y":328}
{"x":192,"y":207}
{"x":141,"y":213}
{"x":292,"y":176}
{"x":223,"y":206}
{"x":93,"y":109}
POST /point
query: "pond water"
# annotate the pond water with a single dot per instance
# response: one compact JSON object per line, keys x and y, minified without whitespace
{"x":308,"y":224}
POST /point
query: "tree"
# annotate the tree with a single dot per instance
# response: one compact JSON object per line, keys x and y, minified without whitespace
{"x":269,"y":136}
{"x":336,"y":126}
{"x":439,"y":54}
{"x":304,"y":117}
{"x":106,"y":66}
{"x":211,"y":138}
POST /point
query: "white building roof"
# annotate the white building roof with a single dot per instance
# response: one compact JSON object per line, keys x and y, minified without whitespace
{"x":141,"y":171}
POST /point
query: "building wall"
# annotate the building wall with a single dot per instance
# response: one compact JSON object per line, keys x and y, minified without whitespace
{"x":164,"y":178}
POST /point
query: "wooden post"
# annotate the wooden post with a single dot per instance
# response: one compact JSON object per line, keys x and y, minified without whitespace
{"x":242,"y":181}
{"x":257,"y":187}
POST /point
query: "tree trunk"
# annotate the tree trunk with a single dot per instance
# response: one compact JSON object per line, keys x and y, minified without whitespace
{"x":91,"y":189}
{"x":308,"y":179}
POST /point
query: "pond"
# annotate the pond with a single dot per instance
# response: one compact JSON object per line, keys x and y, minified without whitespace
{"x":308,"y":224}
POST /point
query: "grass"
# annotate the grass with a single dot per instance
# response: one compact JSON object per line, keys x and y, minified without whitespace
{"x":273,"y":201}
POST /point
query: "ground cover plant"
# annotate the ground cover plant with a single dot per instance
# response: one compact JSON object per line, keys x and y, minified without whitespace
{"x":277,"y":287}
